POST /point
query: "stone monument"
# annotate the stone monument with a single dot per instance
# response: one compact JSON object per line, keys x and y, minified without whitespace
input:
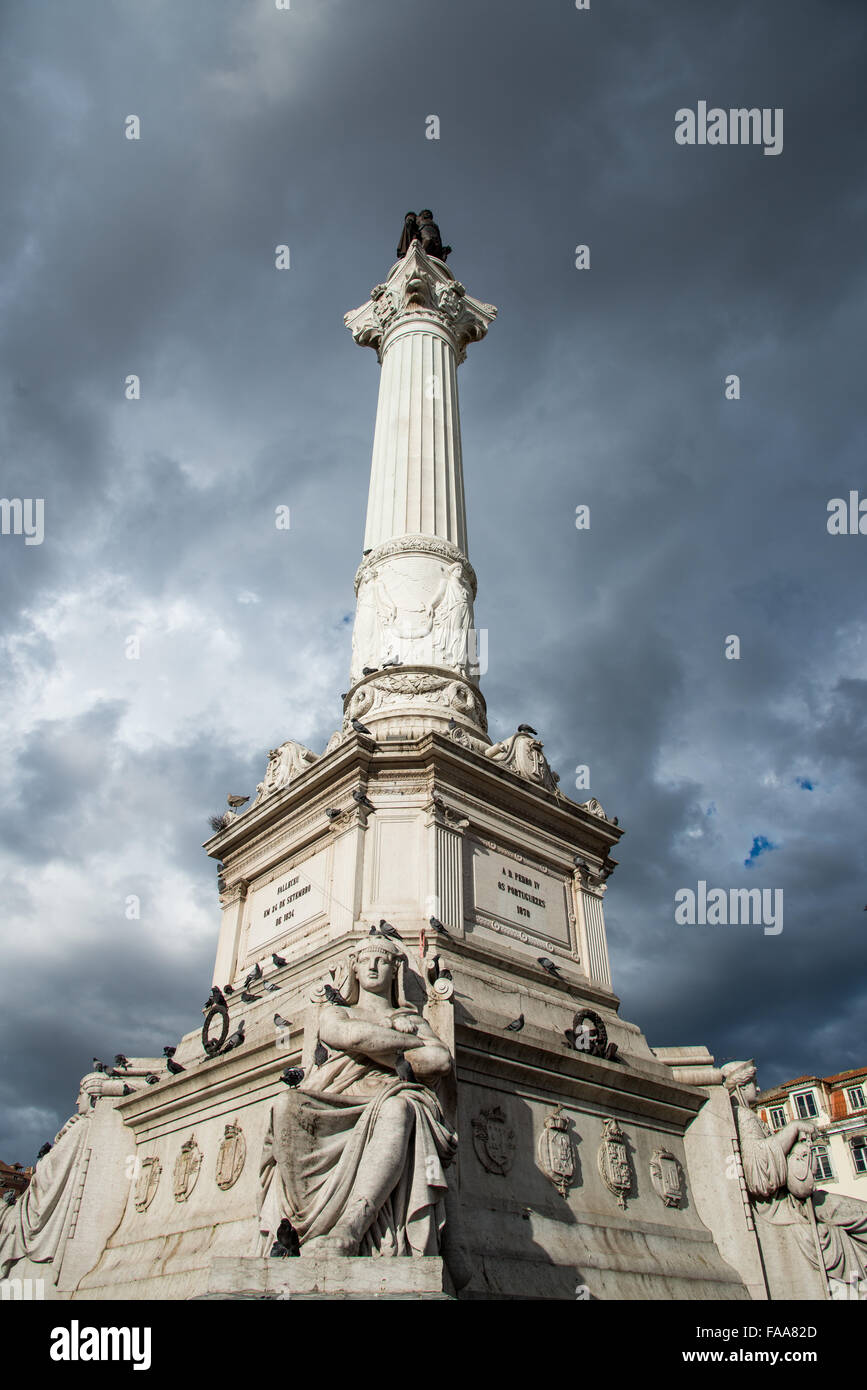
{"x":413,"y":1078}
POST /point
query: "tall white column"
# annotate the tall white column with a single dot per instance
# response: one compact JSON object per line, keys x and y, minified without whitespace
{"x":415,"y":650}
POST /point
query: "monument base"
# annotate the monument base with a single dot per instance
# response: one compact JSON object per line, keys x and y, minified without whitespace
{"x":328,"y":1276}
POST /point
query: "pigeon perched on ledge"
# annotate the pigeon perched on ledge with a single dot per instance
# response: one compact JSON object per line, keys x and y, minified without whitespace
{"x":235,"y":1039}
{"x":287,"y":1242}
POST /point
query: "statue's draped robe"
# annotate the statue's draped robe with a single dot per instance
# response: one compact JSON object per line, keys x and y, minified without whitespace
{"x":842,"y":1221}
{"x":32,"y":1228}
{"x":315,"y":1142}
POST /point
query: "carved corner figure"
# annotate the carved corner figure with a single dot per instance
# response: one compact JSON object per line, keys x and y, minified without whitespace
{"x":34,"y":1227}
{"x":284,"y":764}
{"x":355,"y":1156}
{"x":522,"y":753}
{"x":827,"y":1231}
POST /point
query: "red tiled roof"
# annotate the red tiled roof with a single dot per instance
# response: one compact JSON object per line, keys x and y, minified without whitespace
{"x":783,"y":1086}
{"x":838,"y":1079}
{"x":845,"y":1075}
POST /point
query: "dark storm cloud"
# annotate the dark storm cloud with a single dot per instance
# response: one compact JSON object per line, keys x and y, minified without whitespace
{"x":603,"y":387}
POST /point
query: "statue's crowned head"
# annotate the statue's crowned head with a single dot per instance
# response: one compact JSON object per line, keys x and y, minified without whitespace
{"x":740,"y":1078}
{"x":375,"y":960}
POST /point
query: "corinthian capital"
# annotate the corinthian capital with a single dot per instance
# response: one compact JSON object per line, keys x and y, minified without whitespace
{"x":423,"y":287}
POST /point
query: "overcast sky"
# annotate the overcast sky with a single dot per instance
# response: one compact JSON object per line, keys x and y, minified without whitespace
{"x":602,"y":387}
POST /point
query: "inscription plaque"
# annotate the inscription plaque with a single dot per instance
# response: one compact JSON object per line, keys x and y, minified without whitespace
{"x":517,"y":895}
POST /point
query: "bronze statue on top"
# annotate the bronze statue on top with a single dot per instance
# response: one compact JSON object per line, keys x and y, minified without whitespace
{"x":422,"y":228}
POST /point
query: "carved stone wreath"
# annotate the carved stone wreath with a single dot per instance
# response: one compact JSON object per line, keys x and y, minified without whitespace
{"x":415,"y":684}
{"x":211,"y":1044}
{"x":596,"y":1045}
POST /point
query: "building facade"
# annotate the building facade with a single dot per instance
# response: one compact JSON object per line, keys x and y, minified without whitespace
{"x":837,"y":1107}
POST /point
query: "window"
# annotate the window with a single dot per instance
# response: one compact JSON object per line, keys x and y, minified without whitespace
{"x":778,"y":1116}
{"x":822,"y":1162}
{"x":859,"y":1155}
{"x":805,"y":1104}
{"x":855,"y":1095}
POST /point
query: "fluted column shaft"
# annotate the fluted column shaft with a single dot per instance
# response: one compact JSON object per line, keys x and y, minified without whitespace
{"x":416,"y":481}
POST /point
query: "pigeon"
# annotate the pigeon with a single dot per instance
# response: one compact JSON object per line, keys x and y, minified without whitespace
{"x":121,"y":1061}
{"x":361,"y":800}
{"x":46,"y":1149}
{"x":549,"y":966}
{"x":249,"y":998}
{"x":255,"y":974}
{"x":227,"y":989}
{"x":278,"y":960}
{"x":235,"y":1039}
{"x":360,"y":728}
{"x":403,"y":1068}
{"x":216,"y":999}
{"x":386,"y":929}
{"x":615,"y":821}
{"x":234,"y":801}
{"x":272,"y":989}
{"x":333,"y":995}
{"x":527,"y":729}
{"x":151,"y":1079}
{"x":170,"y":1051}
{"x":287,"y":1242}
{"x":438,"y":926}
{"x":174,"y":1067}
{"x":368,"y":551}
{"x":292,"y":1076}
{"x":344,"y":694}
{"x":320,"y":1056}
{"x":516,"y":1025}
{"x":281,"y":1022}
{"x":98,"y":1065}
{"x":392,"y":661}
{"x":127,"y":1090}
{"x":367,"y":671}
{"x":453,"y":723}
{"x":332,"y":814}
{"x":579,"y":862}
